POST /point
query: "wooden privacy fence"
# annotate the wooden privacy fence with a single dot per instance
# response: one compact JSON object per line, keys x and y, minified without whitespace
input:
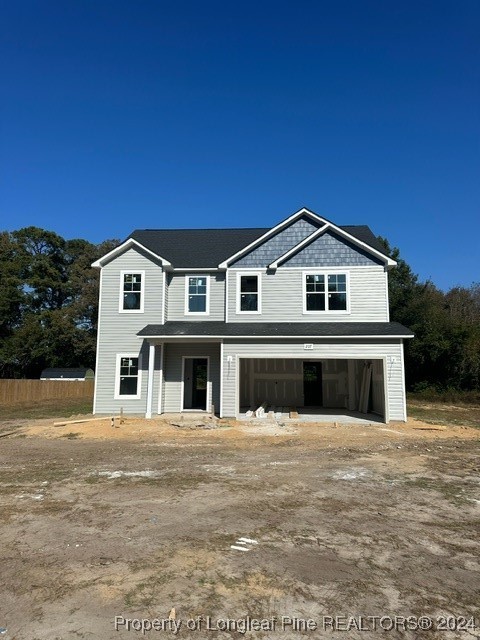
{"x":12,"y":391}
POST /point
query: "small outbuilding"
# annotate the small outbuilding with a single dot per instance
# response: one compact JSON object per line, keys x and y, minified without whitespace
{"x":67,"y":374}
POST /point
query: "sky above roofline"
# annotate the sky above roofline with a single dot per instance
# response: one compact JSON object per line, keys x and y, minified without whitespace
{"x":123,"y":115}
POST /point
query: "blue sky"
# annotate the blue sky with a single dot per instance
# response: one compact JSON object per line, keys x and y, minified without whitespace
{"x":119,"y":115}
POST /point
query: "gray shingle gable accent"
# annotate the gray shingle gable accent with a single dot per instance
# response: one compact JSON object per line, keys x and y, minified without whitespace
{"x":279,"y":244}
{"x":207,"y":248}
{"x":273,"y":329}
{"x":331,"y":250}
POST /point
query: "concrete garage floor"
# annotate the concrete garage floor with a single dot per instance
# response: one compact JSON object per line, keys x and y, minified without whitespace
{"x":321,"y":415}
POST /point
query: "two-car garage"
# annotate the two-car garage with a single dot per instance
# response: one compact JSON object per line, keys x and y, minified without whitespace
{"x":312,"y":384}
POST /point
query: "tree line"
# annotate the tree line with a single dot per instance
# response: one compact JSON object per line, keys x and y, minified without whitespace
{"x":49,"y":306}
{"x":48,"y":301}
{"x":445,"y":352}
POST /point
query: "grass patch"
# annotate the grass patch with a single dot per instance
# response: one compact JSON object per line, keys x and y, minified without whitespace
{"x":468,"y":415}
{"x":53,"y":408}
{"x":446,"y":396}
{"x":452,"y":493}
{"x":72,"y":435}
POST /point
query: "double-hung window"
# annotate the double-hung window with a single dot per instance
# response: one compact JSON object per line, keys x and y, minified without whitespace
{"x":197,"y":292}
{"x":249,"y":291}
{"x":128,"y":376}
{"x":325,"y":292}
{"x":131,"y":291}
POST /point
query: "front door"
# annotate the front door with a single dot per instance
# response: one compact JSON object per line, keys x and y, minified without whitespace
{"x":195,"y":384}
{"x":312,"y":384}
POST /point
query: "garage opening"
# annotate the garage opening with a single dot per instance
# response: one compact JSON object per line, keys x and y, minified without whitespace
{"x":319,"y":388}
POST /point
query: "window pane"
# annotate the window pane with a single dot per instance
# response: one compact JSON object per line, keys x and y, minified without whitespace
{"x":337,"y":301}
{"x":337,"y":283}
{"x":315,"y":302}
{"x":197,"y":304}
{"x":128,"y":386}
{"x":248,"y":284}
{"x":249,"y":302}
{"x":131,"y":300}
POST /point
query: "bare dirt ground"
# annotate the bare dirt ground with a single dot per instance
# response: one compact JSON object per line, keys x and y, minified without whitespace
{"x":351,"y":522}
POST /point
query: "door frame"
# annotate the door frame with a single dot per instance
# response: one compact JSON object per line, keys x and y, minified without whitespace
{"x":208,"y":403}
{"x":318,"y":362}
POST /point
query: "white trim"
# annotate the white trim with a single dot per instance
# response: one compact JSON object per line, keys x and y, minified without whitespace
{"x":208,"y":400}
{"x":197,"y":269}
{"x":138,"y":395}
{"x":238,"y":292}
{"x":317,"y":218}
{"x":352,"y":267}
{"x":298,"y":247}
{"x":326,"y":273}
{"x":402,"y":364}
{"x":123,"y":273}
{"x":385,"y":390}
{"x":97,"y":355}
{"x":186,"y":312}
{"x":387,"y":295}
{"x":164,"y":294}
{"x":221,"y":379}
{"x":131,"y":242}
{"x":388,"y":261}
{"x":227,"y":295}
{"x":160,"y":383}
{"x":210,"y":338}
{"x":151,"y":368}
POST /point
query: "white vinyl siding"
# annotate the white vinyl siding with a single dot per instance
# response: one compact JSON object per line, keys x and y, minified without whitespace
{"x":118,"y":331}
{"x":282,"y":296}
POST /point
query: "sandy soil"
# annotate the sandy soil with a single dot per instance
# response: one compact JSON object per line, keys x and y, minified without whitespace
{"x":133,"y":521}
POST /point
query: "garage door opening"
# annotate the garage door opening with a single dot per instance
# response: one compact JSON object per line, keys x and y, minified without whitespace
{"x":314,"y":388}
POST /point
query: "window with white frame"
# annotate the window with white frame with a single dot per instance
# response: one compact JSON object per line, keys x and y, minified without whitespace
{"x":128,"y":376}
{"x":325,"y":292}
{"x":131,"y":295}
{"x":197,"y":290}
{"x":248,"y":293}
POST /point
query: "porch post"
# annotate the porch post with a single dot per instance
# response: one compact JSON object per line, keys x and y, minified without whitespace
{"x":151,"y":365}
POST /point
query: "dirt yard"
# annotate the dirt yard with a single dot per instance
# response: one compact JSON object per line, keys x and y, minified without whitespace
{"x":348,"y":530}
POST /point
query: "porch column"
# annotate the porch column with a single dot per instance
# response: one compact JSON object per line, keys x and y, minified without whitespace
{"x":151,"y":366}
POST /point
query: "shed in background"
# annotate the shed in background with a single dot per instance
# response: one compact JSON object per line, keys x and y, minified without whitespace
{"x":67,"y":374}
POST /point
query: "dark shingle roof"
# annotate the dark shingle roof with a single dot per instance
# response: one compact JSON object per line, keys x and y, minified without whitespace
{"x":207,"y":248}
{"x":277,"y":329}
{"x":191,"y":248}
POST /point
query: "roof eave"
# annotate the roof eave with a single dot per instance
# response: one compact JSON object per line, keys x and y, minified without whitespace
{"x":130,"y":242}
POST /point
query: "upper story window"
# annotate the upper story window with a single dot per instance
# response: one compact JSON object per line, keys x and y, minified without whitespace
{"x":325,"y":292}
{"x":197,"y":294}
{"x":249,"y":291}
{"x":131,"y":291}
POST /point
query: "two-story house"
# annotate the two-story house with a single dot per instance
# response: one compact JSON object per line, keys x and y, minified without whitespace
{"x":227,"y":319}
